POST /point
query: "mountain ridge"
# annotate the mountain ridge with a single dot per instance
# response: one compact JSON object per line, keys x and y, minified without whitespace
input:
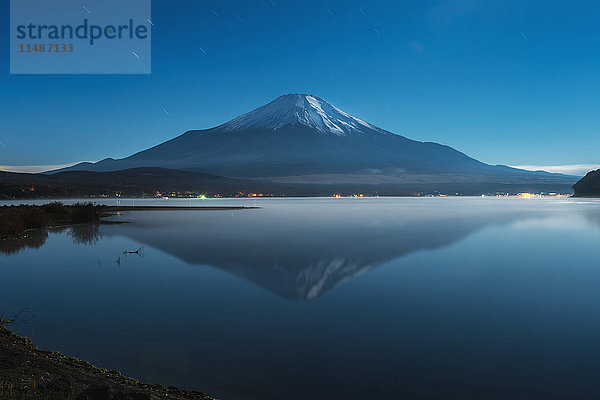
{"x":302,"y":135}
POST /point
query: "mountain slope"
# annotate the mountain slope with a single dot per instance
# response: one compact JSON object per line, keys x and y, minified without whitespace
{"x":296,"y":110}
{"x":303,"y":135}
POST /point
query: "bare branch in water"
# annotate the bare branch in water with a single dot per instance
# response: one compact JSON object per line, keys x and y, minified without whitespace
{"x":134,"y":252}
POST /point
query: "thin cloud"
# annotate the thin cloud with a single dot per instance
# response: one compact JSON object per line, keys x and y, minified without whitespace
{"x":416,"y":46}
{"x":33,"y":169}
{"x":570,"y":169}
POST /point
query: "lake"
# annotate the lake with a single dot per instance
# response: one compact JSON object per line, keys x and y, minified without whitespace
{"x":367,"y":298}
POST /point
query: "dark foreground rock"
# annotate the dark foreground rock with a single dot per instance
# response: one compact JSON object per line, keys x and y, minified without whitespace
{"x":29,"y":373}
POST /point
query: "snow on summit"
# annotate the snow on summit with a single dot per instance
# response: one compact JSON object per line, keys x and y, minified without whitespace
{"x":301,"y":109}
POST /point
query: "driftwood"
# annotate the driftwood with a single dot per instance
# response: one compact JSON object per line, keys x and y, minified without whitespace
{"x":133,"y":252}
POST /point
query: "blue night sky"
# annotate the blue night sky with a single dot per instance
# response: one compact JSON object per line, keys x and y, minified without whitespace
{"x":507,"y":82}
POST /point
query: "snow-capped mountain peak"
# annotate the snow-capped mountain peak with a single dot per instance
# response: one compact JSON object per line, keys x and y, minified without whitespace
{"x":301,"y":109}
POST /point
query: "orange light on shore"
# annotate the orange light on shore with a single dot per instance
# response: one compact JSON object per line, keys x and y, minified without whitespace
{"x":525,"y":195}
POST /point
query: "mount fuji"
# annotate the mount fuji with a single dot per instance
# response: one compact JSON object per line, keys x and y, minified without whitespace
{"x":302,"y":139}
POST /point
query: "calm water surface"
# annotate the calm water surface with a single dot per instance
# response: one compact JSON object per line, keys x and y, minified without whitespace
{"x":465,"y":298}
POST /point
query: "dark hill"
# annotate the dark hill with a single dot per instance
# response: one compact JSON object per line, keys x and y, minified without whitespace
{"x":138,"y":182}
{"x":131,"y":182}
{"x":589,"y":185}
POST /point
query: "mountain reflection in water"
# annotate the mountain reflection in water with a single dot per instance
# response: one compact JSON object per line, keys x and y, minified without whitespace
{"x":304,"y":253}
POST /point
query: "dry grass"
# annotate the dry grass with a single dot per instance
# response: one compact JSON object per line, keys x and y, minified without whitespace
{"x":16,"y":220}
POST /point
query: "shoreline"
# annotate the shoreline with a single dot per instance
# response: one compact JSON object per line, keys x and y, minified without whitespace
{"x":29,"y":373}
{"x":17,"y":220}
{"x":175,"y":208}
